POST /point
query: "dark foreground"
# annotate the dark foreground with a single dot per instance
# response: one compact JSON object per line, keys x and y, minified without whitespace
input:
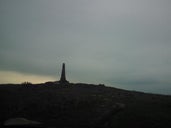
{"x":83,"y":105}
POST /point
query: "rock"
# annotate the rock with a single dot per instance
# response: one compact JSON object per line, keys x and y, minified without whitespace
{"x":20,"y":121}
{"x":108,"y":115}
{"x":120,"y":105}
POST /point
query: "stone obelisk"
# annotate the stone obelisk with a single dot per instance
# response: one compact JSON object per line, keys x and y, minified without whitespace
{"x":63,"y":77}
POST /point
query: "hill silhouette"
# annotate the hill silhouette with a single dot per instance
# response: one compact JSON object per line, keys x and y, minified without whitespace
{"x":83,"y":105}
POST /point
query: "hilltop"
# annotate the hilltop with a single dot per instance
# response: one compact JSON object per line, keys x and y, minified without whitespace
{"x":84,"y":105}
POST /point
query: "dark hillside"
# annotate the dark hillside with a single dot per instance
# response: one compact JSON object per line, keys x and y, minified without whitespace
{"x":84,"y":105}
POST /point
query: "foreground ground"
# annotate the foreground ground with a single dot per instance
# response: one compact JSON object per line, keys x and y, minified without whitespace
{"x":84,"y":105}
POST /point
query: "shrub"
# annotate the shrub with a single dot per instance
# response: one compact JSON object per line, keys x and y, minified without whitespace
{"x":26,"y":83}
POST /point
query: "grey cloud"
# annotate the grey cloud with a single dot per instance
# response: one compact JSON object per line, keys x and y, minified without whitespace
{"x":113,"y":41}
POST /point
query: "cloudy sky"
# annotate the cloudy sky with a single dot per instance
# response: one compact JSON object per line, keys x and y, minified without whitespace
{"x":120,"y":43}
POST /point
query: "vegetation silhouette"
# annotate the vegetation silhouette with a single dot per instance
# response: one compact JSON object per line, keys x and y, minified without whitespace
{"x":84,"y":105}
{"x":53,"y":104}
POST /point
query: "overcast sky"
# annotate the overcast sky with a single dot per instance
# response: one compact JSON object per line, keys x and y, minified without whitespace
{"x":120,"y":43}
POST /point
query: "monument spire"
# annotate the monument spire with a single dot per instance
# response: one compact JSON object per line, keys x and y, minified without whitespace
{"x":63,"y":77}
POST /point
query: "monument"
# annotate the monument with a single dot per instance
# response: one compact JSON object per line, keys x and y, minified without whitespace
{"x":63,"y":77}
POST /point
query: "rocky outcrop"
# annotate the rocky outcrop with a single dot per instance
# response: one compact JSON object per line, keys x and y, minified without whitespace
{"x":107,"y":116}
{"x":20,"y":122}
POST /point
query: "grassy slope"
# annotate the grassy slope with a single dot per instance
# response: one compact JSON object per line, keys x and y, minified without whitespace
{"x":84,"y":105}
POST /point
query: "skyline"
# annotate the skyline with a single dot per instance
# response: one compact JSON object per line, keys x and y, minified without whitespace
{"x":119,"y":43}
